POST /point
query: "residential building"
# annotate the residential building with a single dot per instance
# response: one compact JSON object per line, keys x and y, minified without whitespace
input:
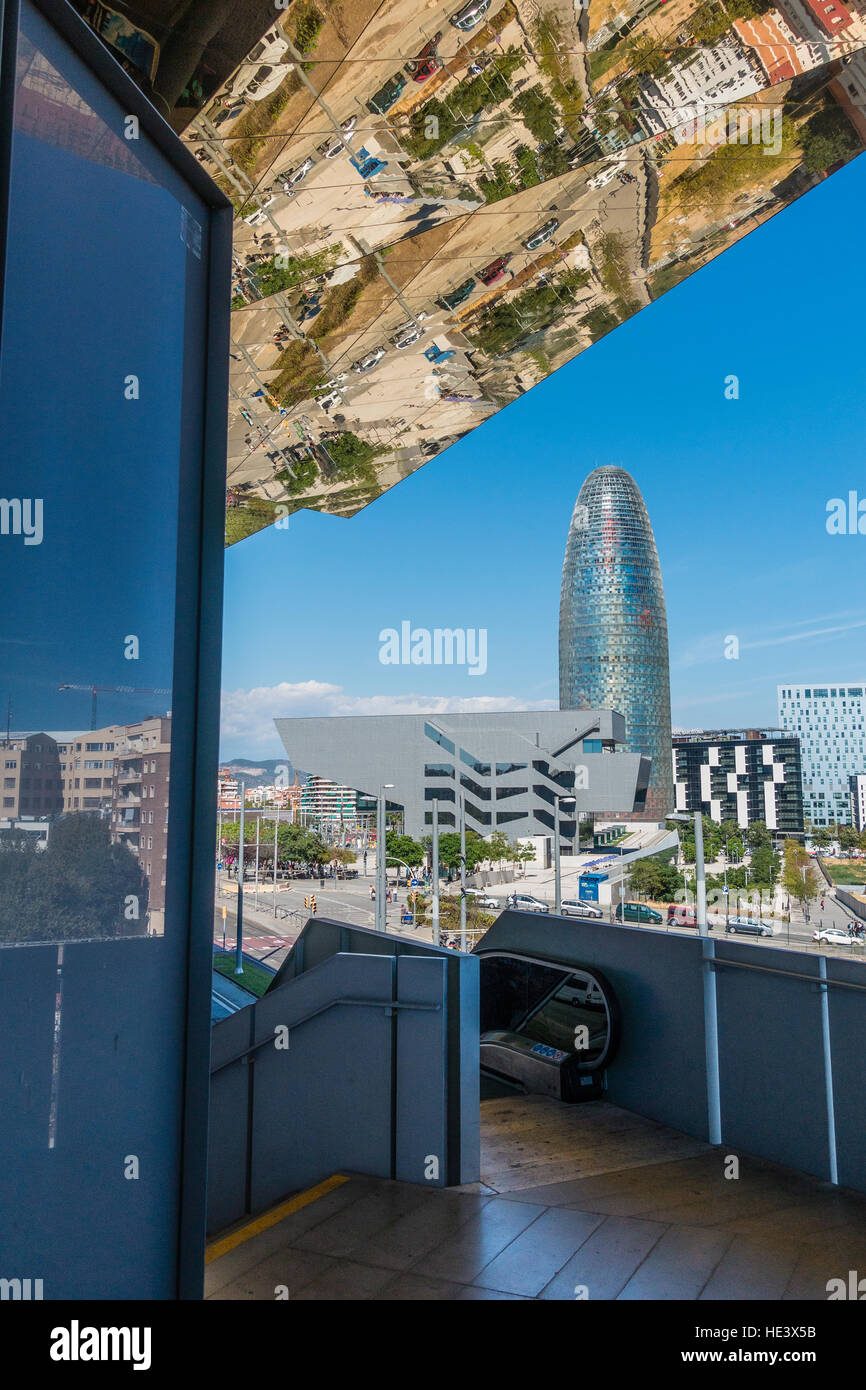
{"x":330,"y":803}
{"x":88,"y":769}
{"x":829,"y":721}
{"x":140,"y":803}
{"x":32,"y":777}
{"x":831,"y":28}
{"x":857,"y":790}
{"x":849,"y":89}
{"x":228,"y":794}
{"x":613,"y":635}
{"x":509,"y":767}
{"x":778,"y":50}
{"x":703,"y":85}
{"x":742,"y":775}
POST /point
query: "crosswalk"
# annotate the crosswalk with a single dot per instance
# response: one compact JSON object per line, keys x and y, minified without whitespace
{"x":257,"y":943}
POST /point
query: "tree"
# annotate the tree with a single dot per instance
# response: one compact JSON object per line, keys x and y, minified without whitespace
{"x":655,"y":878}
{"x":80,"y":885}
{"x":405,"y":848}
{"x":538,"y":113}
{"x":449,"y":850}
{"x":498,"y":847}
{"x":826,"y":138}
{"x":798,"y":873}
{"x":758,"y":834}
{"x":524,"y":854}
{"x":764,"y":869}
{"x":350,"y":455}
{"x":296,"y":843}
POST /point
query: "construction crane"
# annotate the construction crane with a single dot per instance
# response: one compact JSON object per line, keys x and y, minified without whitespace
{"x":114,"y":690}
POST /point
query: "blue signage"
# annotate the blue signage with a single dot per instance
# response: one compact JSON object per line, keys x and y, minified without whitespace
{"x":587,"y":889}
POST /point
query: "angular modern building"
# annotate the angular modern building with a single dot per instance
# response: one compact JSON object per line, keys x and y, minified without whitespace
{"x":613,"y":632}
{"x":510,"y":767}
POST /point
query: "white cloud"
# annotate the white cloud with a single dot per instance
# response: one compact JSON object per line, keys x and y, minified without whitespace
{"x":247,"y":725}
{"x":711,"y":647}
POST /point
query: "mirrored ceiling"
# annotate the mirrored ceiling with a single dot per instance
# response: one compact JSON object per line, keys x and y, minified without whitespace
{"x":437,"y":207}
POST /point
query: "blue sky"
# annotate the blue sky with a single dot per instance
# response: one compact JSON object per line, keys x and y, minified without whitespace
{"x":737,"y":492}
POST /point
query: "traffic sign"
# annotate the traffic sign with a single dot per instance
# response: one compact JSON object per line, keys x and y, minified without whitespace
{"x":414,"y":883}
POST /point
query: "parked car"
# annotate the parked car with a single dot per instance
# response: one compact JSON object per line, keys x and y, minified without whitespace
{"x":747,"y":926}
{"x":369,"y":360}
{"x":256,"y":218}
{"x":331,"y":148}
{"x":471,"y":15}
{"x":458,"y":296}
{"x":479,"y":64}
{"x":408,"y":335}
{"x":269,"y":48}
{"x":637,"y":912}
{"x":295,"y":177}
{"x":494,"y":271}
{"x":836,"y":936}
{"x":681,"y":916}
{"x":425,"y":63}
{"x":573,"y":907}
{"x":388,"y":93}
{"x":626,"y":177}
{"x":525,"y":902}
{"x":426,"y":69}
{"x":602,"y":178}
{"x":543,"y":234}
{"x":266,"y":81}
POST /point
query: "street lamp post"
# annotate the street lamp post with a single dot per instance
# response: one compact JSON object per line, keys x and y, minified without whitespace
{"x":711,"y":1021}
{"x":239,"y":944}
{"x":381,"y":877}
{"x":219,"y":853}
{"x":276,"y":853}
{"x":700,"y":875}
{"x":558,"y":797}
{"x":461,"y":803}
{"x":434,"y":849}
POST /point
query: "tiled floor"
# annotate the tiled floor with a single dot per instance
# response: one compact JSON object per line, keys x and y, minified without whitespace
{"x":576,"y":1202}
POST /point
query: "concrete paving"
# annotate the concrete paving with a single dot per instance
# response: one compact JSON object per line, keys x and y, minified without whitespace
{"x":576,"y":1202}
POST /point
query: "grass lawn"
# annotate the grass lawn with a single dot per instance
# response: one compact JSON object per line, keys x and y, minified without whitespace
{"x":846,"y":871}
{"x":255,"y":978}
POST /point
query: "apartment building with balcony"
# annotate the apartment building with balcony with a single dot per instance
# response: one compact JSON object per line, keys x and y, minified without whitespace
{"x":140,"y":802}
{"x":740,"y":775}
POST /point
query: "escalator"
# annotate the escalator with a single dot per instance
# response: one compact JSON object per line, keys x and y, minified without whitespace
{"x":548,"y":1027}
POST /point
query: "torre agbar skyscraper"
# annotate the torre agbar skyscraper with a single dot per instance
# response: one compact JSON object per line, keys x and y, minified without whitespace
{"x":613,"y":632}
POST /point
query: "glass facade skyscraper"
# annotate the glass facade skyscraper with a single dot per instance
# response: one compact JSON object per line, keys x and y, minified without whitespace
{"x":613,"y":632}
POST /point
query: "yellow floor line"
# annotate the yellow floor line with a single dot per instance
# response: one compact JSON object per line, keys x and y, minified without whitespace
{"x":271,"y":1218}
